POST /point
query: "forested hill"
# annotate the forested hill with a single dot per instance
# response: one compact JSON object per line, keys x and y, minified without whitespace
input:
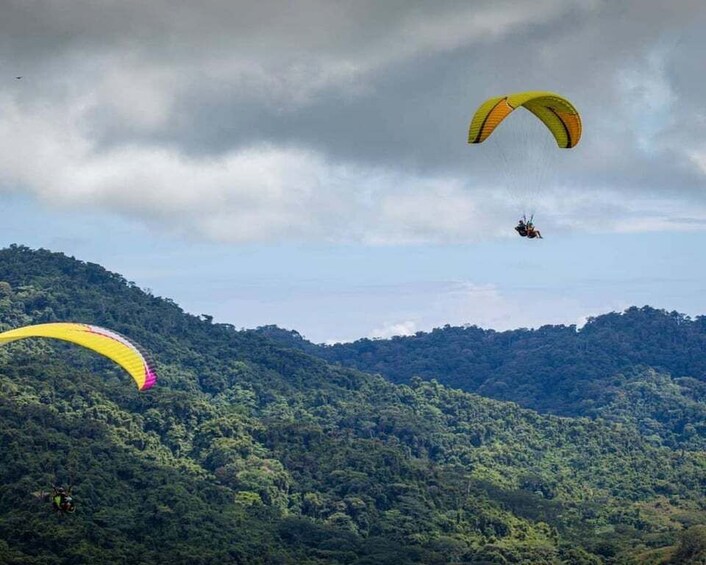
{"x":643,"y":356}
{"x":251,"y":451}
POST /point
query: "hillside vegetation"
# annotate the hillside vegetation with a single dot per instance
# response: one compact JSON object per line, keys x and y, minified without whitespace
{"x":643,"y":367}
{"x":250,"y":450}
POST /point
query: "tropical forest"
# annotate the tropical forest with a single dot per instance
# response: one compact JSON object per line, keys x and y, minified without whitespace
{"x":462,"y":445}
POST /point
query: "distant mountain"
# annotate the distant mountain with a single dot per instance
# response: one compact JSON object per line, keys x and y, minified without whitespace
{"x":644,"y":366}
{"x":252,"y":450}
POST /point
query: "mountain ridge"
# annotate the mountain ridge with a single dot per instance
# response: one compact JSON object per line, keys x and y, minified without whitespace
{"x":248,"y":451}
{"x":653,"y":358}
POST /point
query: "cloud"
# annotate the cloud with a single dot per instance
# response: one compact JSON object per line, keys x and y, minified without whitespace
{"x":430,"y":305}
{"x":256,"y":193}
{"x":505,"y":307}
{"x":387,"y":331}
{"x":649,"y":97}
{"x":234,"y":121}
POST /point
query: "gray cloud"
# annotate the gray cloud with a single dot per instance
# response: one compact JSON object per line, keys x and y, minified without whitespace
{"x":245,"y":121}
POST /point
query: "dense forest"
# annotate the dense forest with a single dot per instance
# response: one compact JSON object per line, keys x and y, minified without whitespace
{"x":645,"y":367}
{"x":252,"y":448}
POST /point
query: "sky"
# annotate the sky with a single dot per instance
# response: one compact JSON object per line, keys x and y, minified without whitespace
{"x":305,"y":163}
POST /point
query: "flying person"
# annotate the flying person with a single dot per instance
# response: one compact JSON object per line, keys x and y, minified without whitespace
{"x":525,"y":228}
{"x":61,"y":500}
{"x":533,"y":232}
{"x":557,"y":113}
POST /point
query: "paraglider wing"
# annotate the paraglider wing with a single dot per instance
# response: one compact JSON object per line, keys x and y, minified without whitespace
{"x":116,"y":347}
{"x":556,"y":112}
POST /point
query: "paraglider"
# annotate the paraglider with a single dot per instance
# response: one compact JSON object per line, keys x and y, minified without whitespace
{"x":526,"y":228}
{"x":112,"y":345}
{"x":61,"y":500}
{"x":556,"y":112}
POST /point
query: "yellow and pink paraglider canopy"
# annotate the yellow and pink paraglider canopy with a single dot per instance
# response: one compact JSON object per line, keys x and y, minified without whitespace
{"x":126,"y":353}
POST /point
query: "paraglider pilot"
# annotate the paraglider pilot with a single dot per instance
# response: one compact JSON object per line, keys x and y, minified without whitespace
{"x":61,"y":500}
{"x":525,"y":228}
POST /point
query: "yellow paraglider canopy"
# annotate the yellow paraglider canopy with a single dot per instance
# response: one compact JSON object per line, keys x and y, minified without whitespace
{"x":556,"y":112}
{"x":111,"y":344}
